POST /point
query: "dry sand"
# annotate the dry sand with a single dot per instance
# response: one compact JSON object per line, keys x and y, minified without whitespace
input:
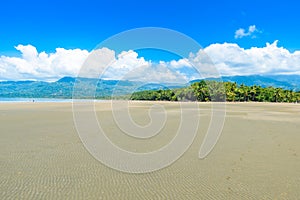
{"x":256,"y":157}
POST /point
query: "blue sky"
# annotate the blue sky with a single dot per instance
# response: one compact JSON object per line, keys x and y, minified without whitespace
{"x":50,"y":24}
{"x":72,"y":24}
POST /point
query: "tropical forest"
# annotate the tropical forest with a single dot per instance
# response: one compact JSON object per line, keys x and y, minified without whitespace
{"x":205,"y":90}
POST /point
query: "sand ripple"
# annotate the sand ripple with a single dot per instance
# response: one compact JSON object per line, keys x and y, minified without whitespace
{"x":255,"y":158}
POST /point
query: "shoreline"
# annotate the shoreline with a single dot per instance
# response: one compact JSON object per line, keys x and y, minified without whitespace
{"x":57,"y":101}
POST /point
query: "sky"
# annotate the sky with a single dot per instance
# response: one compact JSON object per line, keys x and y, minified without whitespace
{"x":46,"y":40}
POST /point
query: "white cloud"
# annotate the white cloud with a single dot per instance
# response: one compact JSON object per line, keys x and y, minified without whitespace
{"x":230,"y":59}
{"x":226,"y":59}
{"x":155,"y":73}
{"x":240,"y":33}
{"x":184,"y":62}
{"x":41,"y":66}
{"x":127,"y":66}
{"x":96,"y":63}
{"x":125,"y":62}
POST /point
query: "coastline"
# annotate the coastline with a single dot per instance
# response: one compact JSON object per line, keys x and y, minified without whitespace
{"x":58,"y":100}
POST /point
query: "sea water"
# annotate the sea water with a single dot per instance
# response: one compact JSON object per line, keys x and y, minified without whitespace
{"x":12,"y":100}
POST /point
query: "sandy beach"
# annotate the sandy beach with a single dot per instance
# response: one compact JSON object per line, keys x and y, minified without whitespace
{"x":256,"y":157}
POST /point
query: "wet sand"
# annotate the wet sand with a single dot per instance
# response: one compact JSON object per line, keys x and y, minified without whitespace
{"x":256,"y":157}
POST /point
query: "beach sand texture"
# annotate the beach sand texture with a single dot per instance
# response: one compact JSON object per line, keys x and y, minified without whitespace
{"x":256,"y":157}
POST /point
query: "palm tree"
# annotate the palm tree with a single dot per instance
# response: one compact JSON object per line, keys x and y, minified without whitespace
{"x":217,"y":91}
{"x":230,"y":89}
{"x":278,"y":95}
{"x":252,"y":92}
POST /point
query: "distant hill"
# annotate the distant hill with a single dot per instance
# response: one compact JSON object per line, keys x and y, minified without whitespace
{"x":67,"y":79}
{"x":63,"y":88}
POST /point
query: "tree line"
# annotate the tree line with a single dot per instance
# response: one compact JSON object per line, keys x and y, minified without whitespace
{"x":205,"y":91}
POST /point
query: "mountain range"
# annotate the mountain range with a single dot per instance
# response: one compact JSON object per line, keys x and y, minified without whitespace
{"x":63,"y":88}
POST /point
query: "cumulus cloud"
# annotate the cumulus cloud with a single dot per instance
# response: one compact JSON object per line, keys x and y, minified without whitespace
{"x":231,"y":59}
{"x":125,"y":63}
{"x":224,"y":59}
{"x":96,"y":63}
{"x":240,"y":33}
{"x":128,"y":66}
{"x":156,"y":73}
{"x":41,"y":66}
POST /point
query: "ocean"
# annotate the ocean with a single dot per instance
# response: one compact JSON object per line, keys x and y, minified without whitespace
{"x":12,"y":100}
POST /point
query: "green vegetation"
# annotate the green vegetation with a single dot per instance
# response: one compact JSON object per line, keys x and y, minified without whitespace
{"x":86,"y":88}
{"x":239,"y":89}
{"x":203,"y":91}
